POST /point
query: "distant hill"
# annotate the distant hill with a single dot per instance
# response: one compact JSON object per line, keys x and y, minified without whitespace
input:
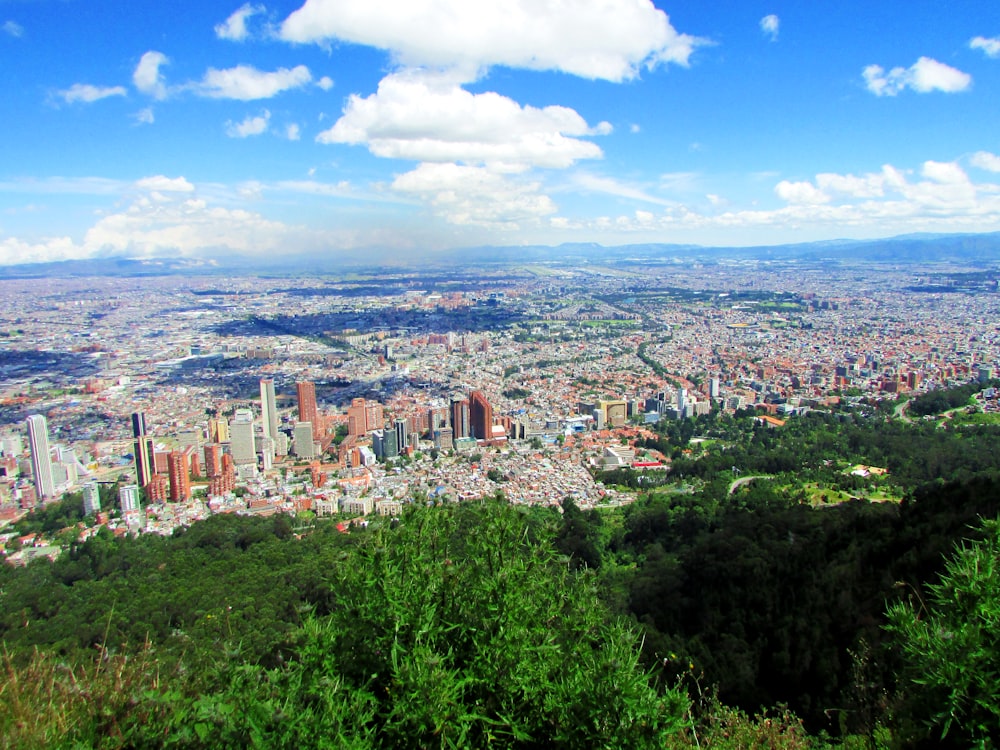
{"x":911,"y":248}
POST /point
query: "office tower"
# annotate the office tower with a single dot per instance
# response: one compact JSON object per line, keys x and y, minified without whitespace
{"x":384,"y":444}
{"x":303,"y":441}
{"x":91,"y":499}
{"x":41,"y":462}
{"x":460,"y":418}
{"x":241,"y":437}
{"x":128,"y":497}
{"x":713,"y":387}
{"x":268,"y":409}
{"x":180,"y":478}
{"x":213,"y":455}
{"x":357,"y":418}
{"x":218,"y":430}
{"x":681,"y":400}
{"x":142,"y":449}
{"x":480,"y":416}
{"x":402,"y":436}
{"x":308,"y":411}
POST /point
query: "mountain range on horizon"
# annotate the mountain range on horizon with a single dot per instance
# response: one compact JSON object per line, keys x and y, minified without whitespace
{"x":910,"y":248}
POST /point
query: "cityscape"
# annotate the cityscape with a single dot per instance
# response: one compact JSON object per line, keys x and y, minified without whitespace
{"x":520,"y":374}
{"x":187,"y":396}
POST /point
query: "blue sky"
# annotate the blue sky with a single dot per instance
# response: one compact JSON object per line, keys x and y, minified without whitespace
{"x":406,"y":126}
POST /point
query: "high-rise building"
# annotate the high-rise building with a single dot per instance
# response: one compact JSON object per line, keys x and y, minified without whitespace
{"x":480,"y":416}
{"x":142,"y":449}
{"x":41,"y":461}
{"x":460,"y":418}
{"x":180,"y":478}
{"x":91,"y":499}
{"x":268,"y":409}
{"x":128,"y":498}
{"x":218,"y":430}
{"x":213,"y":456}
{"x":303,"y":440}
{"x":308,"y":410}
{"x":241,"y":437}
{"x":402,"y":434}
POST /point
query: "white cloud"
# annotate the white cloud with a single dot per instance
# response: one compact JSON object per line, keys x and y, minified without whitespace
{"x":432,"y":119}
{"x":234,"y":28}
{"x":147,"y":77}
{"x":610,"y":186}
{"x":989,"y":45}
{"x":325,"y":83}
{"x":867,"y":186}
{"x":985,"y":160}
{"x":800,"y":193}
{"x":251,"y":125}
{"x":476,"y":196}
{"x":769,"y":25}
{"x":292,"y":132}
{"x":145,"y":116}
{"x":84,"y":92}
{"x":163,"y":184}
{"x":607,"y":39}
{"x":246,"y":83}
{"x":923,"y":76}
{"x":13,"y":28}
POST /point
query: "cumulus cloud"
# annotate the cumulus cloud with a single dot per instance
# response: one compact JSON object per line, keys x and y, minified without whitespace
{"x":606,"y":39}
{"x":246,"y":83}
{"x":476,"y":196}
{"x":989,"y":45}
{"x":769,"y":25}
{"x":923,"y":76}
{"x":147,"y":77}
{"x":945,"y":187}
{"x":13,"y":28}
{"x":800,"y":193}
{"x":292,"y":132}
{"x":325,"y":83}
{"x":84,"y":92}
{"x":985,"y":160}
{"x":433,"y":119}
{"x":165,"y":218}
{"x":251,"y":125}
{"x":164,"y":184}
{"x":234,"y":28}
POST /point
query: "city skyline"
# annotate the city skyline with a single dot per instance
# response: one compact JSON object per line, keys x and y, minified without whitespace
{"x":327,"y":129}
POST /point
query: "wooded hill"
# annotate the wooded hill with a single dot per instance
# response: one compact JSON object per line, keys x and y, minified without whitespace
{"x":485,"y":624}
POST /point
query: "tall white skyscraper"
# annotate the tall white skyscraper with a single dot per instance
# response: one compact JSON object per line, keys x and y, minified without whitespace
{"x":41,"y":461}
{"x":268,"y":409}
{"x":241,"y":437}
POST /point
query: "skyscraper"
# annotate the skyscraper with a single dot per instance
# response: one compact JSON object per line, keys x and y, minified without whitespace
{"x":242,"y":443}
{"x":142,"y":449}
{"x":41,"y":462}
{"x":268,"y":409}
{"x":480,"y":416}
{"x":460,"y":417}
{"x":308,"y":411}
{"x":402,"y":434}
{"x":180,"y":478}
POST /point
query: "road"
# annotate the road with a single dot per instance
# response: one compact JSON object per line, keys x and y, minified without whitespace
{"x":744,"y":480}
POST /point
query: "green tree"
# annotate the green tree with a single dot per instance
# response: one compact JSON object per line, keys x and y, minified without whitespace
{"x":951,"y":647}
